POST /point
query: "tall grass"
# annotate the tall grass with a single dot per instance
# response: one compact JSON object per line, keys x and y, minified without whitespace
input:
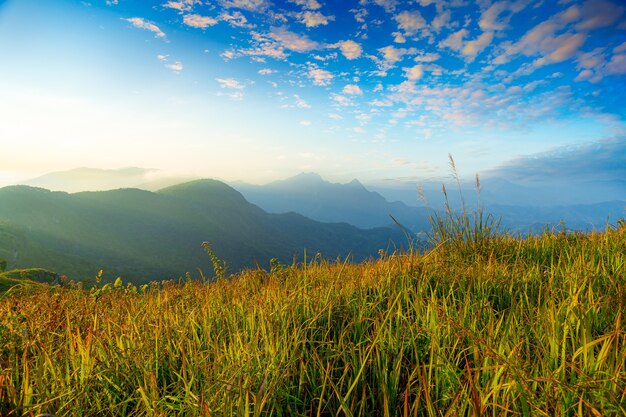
{"x":532,"y":326}
{"x":461,"y":232}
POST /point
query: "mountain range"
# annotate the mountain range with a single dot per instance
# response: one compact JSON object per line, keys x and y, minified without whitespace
{"x":309,"y":194}
{"x":94,"y":179}
{"x":522,"y":208}
{"x":145,"y":235}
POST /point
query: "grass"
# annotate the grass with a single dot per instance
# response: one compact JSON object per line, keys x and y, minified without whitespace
{"x":523,"y":326}
{"x":25,"y":277}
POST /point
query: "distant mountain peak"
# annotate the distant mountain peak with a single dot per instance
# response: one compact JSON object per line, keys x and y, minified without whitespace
{"x":307,"y":176}
{"x":355,"y":183}
{"x":97,"y":179}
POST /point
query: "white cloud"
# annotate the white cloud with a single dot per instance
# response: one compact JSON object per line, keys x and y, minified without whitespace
{"x":388,"y":5}
{"x":301,"y":103}
{"x":392,"y":54}
{"x":313,"y":19}
{"x":197,"y":21}
{"x":230,"y":83}
{"x":272,"y":51}
{"x":455,"y":40}
{"x":472,"y":48}
{"x":234,"y":89}
{"x":307,"y":4}
{"x":599,"y":14}
{"x":381,"y":103}
{"x":360,"y":15}
{"x":414,"y":73}
{"x":468,"y":48}
{"x":327,"y":57}
{"x":595,"y":65}
{"x":227,"y":55}
{"x":497,"y":16}
{"x":320,"y":76}
{"x":352,"y":89}
{"x":350,"y":49}
{"x":266,"y":71}
{"x":182,"y":5}
{"x":162,"y":58}
{"x":305,"y":122}
{"x":410,"y":22}
{"x":293,"y":41}
{"x":617,"y":65}
{"x":427,"y":57}
{"x":620,"y":48}
{"x":561,"y":48}
{"x":235,"y":19}
{"x":584,"y":75}
{"x":441,"y":20}
{"x":177,"y":66}
{"x":250,"y":5}
{"x":398,"y":37}
{"x":334,"y":116}
{"x":263,"y":46}
{"x":543,"y":41}
{"x":141,"y":23}
{"x":341,"y":100}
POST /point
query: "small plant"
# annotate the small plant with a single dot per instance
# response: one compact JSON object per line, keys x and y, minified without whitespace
{"x":621,"y":224}
{"x":219,"y":266}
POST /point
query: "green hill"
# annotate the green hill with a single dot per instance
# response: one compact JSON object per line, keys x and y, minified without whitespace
{"x":144,"y":235}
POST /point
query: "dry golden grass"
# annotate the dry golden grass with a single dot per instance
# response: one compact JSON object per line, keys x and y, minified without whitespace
{"x":528,"y":326}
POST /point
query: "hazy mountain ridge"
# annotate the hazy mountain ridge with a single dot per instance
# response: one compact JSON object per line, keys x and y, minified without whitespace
{"x":145,"y":235}
{"x":312,"y":196}
{"x":522,"y":208}
{"x":94,"y":179}
{"x":499,"y":191}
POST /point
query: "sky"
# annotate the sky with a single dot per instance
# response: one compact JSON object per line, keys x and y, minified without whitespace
{"x":258,"y":90}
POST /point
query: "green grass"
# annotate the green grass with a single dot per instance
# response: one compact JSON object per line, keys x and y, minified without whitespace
{"x":519,"y":326}
{"x":25,"y":277}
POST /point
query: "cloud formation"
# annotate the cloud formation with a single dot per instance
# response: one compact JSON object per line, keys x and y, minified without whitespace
{"x":320,"y":76}
{"x":350,"y":49}
{"x":181,"y":5}
{"x":141,"y":23}
{"x":200,"y":22}
{"x":313,"y":19}
{"x":177,"y":66}
{"x":352,"y":89}
{"x":604,"y":160}
{"x":293,"y":41}
{"x":250,"y":5}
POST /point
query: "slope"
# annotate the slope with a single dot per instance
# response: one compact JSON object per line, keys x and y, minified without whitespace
{"x":143,"y":235}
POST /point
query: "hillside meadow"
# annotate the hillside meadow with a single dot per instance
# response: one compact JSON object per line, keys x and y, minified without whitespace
{"x":483,"y":324}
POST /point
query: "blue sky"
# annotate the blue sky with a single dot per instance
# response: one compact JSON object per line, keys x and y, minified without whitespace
{"x":260,"y":89}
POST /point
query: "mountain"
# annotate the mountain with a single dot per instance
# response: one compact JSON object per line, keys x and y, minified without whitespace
{"x":498,"y":191}
{"x":533,"y":219}
{"x":93,"y":179}
{"x":312,"y":196}
{"x":145,"y":235}
{"x":528,"y":208}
